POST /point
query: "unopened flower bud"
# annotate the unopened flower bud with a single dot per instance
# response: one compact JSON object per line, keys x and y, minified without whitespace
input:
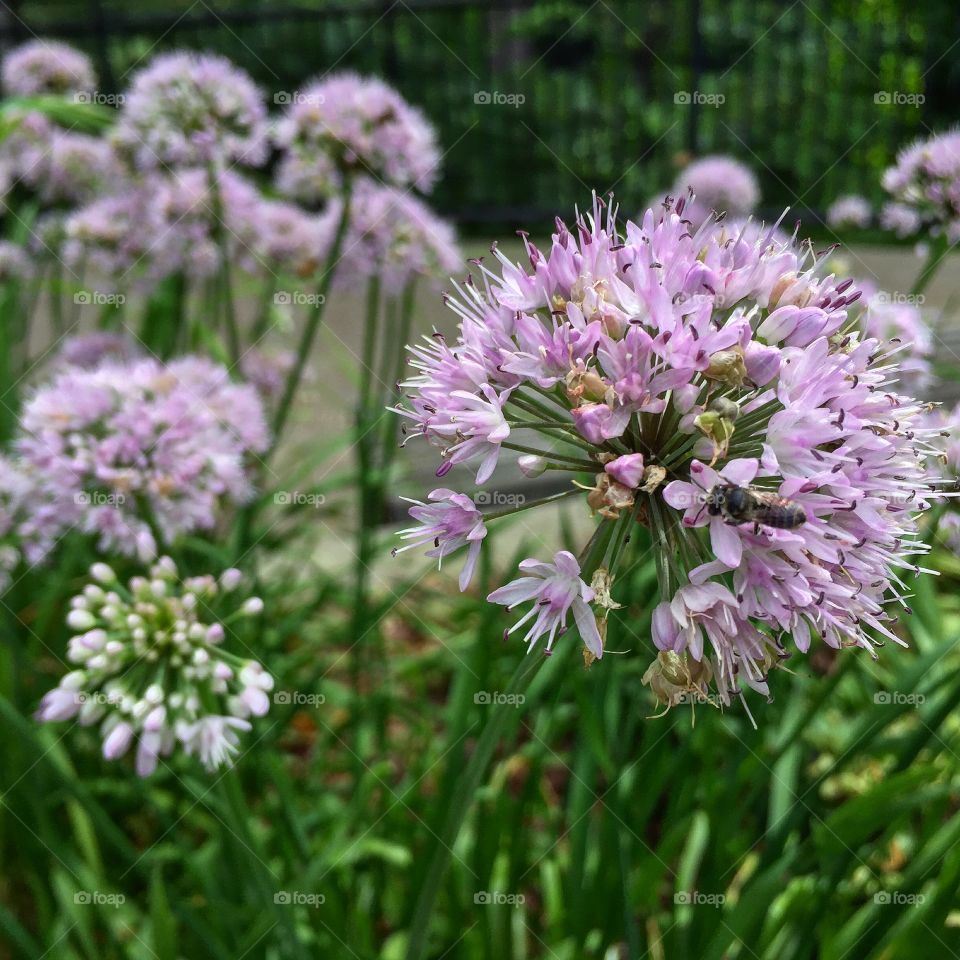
{"x":80,"y":619}
{"x":230,"y":579}
{"x":252,"y":607}
{"x":103,"y":572}
{"x":532,"y":466}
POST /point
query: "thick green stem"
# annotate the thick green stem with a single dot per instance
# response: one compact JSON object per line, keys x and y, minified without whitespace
{"x":367,"y":499}
{"x":312,"y":325}
{"x":226,"y":277}
{"x":939,"y":248}
{"x":407,"y":304}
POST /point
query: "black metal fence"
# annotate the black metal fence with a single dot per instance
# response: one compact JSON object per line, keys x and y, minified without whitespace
{"x":540,"y":102}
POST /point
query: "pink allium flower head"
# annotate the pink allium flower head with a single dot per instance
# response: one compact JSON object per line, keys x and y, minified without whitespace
{"x":90,"y":350}
{"x":926,"y":180}
{"x":719,"y":183}
{"x":167,"y":224}
{"x":191,"y":695}
{"x":849,"y":211}
{"x":901,"y":219}
{"x":134,"y":452}
{"x":112,"y":236}
{"x":898,"y":320}
{"x":449,"y":521}
{"x":286,"y":238}
{"x":345,"y":124}
{"x":267,"y":371}
{"x":395,"y":236}
{"x":719,"y":389}
{"x":73,"y":168}
{"x":46,"y":66}
{"x":187,"y":109}
{"x":14,"y":262}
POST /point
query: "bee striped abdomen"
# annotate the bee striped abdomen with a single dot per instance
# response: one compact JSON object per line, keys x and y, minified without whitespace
{"x":740,"y":505}
{"x":785,"y":515}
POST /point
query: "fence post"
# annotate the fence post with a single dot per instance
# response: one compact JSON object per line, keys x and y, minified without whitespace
{"x":101,"y":42}
{"x":696,"y":66}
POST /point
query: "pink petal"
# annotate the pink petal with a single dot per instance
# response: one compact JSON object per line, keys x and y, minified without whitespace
{"x":518,"y":591}
{"x":726,"y":542}
{"x":741,"y":472}
{"x":587,"y":624}
{"x":682,"y":495}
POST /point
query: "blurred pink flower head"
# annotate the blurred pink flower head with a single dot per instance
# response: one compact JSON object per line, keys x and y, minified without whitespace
{"x":347,"y":124}
{"x":189,"y":109}
{"x":46,"y":66}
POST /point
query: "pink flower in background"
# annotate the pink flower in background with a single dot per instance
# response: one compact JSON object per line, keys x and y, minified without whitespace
{"x":718,"y":183}
{"x":168,"y":224}
{"x":851,"y":210}
{"x":345,"y":123}
{"x":556,"y":590}
{"x":900,"y":218}
{"x":134,"y":452}
{"x":90,"y":350}
{"x":188,"y":109}
{"x":896,"y":318}
{"x":15,"y":262}
{"x":46,"y":66}
{"x":73,"y":168}
{"x":926,"y":181}
{"x":194,"y":695}
{"x":394,"y":236}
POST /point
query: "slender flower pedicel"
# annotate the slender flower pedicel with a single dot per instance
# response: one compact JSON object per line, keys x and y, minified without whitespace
{"x":151,"y":669}
{"x":712,"y":393}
